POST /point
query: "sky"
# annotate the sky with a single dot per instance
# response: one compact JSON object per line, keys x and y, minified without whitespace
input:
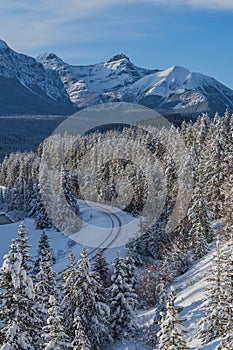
{"x":196,"y":34}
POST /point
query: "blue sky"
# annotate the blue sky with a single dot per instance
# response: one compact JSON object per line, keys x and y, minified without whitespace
{"x":196,"y":34}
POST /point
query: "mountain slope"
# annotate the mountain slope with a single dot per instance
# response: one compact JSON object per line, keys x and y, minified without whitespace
{"x":26,"y":87}
{"x":92,"y":84}
{"x":170,"y":91}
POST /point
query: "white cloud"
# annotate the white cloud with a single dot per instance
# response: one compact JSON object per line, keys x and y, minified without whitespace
{"x":28,"y":25}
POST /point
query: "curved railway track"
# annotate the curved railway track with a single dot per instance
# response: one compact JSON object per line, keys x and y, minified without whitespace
{"x":112,"y":232}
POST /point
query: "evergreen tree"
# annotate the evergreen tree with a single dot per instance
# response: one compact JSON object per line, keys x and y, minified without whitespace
{"x":151,"y":335}
{"x":122,"y":302}
{"x":199,"y":218}
{"x":24,"y":247}
{"x":43,"y":248}
{"x":41,"y":217}
{"x":69,"y":301}
{"x":91,"y":305}
{"x":54,"y":334}
{"x":45,"y":283}
{"x":171,"y":334}
{"x":18,"y":309}
{"x":100,"y":267}
{"x":216,"y":321}
{"x":80,"y":341}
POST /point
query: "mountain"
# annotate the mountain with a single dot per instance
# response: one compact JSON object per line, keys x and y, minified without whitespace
{"x":171,"y":91}
{"x":92,"y":84}
{"x":26,"y":87}
{"x":48,"y":85}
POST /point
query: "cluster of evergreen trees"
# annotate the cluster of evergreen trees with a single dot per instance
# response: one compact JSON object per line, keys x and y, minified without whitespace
{"x":34,"y":189}
{"x":85,"y":308}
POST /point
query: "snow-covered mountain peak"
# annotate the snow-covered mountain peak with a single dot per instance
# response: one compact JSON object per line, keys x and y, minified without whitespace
{"x":119,"y":56}
{"x":55,"y":62}
{"x":34,"y":88}
{"x":168,"y":91}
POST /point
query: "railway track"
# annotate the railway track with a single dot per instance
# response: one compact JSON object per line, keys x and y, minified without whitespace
{"x":112,"y":235}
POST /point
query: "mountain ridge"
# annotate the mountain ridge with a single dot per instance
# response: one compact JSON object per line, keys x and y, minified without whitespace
{"x":48,"y":85}
{"x":174,"y":90}
{"x":28,"y":88}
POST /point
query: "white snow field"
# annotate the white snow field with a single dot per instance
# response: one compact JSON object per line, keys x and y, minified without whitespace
{"x":102,"y":227}
{"x":189,"y":287}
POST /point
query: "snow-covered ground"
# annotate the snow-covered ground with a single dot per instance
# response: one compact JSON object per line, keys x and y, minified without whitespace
{"x":189,"y":287}
{"x":103,"y":227}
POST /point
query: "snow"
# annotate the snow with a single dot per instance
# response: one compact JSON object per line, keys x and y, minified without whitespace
{"x":84,"y":82}
{"x":190,"y":290}
{"x":99,"y":222}
{"x":104,"y":225}
{"x":31,"y":74}
{"x":190,"y":287}
{"x":118,"y":79}
{"x":163,"y":83}
{"x":59,"y":242}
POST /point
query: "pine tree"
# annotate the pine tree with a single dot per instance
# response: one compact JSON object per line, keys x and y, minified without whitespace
{"x":43,"y":248}
{"x":152,"y":335}
{"x":80,"y":341}
{"x":200,"y":218}
{"x":122,"y":298}
{"x":54,"y":334}
{"x":18,"y":309}
{"x":45,"y":283}
{"x":227,"y":280}
{"x":100,"y":267}
{"x":69,"y":301}
{"x":91,"y":305}
{"x":24,"y":247}
{"x":171,"y":334}
{"x":39,"y":213}
{"x":216,"y":320}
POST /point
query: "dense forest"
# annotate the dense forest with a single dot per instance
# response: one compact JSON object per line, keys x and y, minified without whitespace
{"x":93,"y":304}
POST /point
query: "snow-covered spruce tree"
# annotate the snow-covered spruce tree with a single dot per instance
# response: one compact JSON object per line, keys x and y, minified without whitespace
{"x":43,"y":248}
{"x":45,"y":285}
{"x":171,"y":334}
{"x":214,"y":165}
{"x":39,"y":213}
{"x":101,"y":268}
{"x":176,"y":255}
{"x":91,"y":305}
{"x":46,"y":200}
{"x":227,"y":280}
{"x":71,"y":190}
{"x":24,"y":247}
{"x":199,"y":217}
{"x":122,"y":301}
{"x":54,"y":334}
{"x":160,"y":235}
{"x":80,"y":341}
{"x":69,"y":301}
{"x":151,"y":334}
{"x":227,"y":192}
{"x":217,"y":320}
{"x":18,"y":309}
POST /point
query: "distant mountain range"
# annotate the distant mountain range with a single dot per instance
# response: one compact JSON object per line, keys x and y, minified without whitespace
{"x":48,"y":85}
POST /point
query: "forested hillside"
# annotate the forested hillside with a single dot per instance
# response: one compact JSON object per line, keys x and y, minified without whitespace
{"x":93,"y":305}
